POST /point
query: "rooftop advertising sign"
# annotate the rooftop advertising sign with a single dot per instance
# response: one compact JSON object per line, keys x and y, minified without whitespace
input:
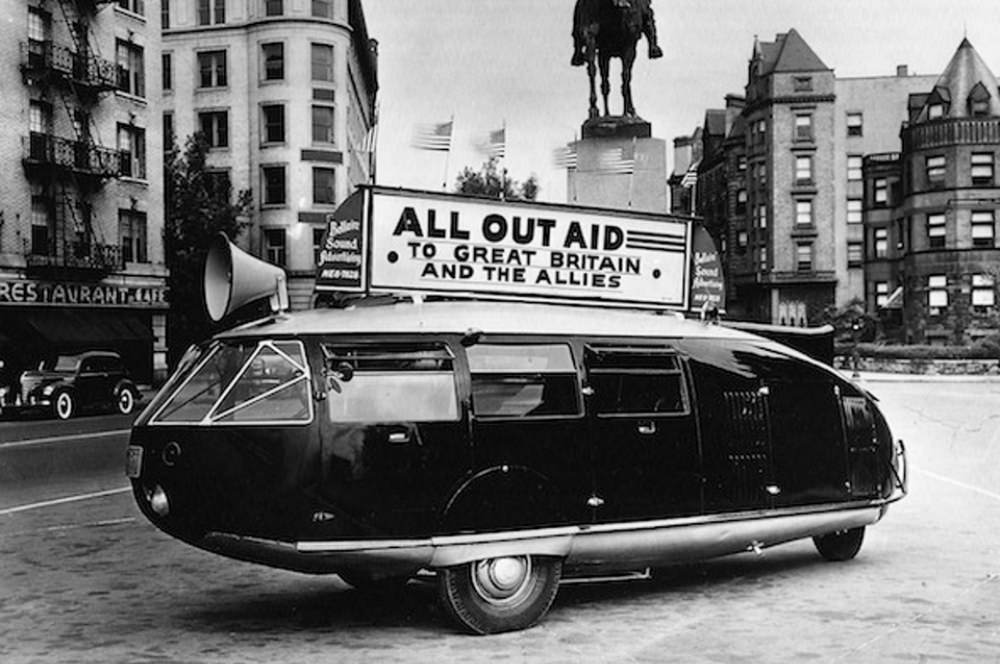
{"x":448,"y":244}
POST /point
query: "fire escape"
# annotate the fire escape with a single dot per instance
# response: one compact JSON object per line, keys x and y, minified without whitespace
{"x":67,"y":81}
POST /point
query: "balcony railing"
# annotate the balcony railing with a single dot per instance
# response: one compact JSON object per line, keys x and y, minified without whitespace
{"x":959,"y":131}
{"x":43,"y":58}
{"x":81,"y":157}
{"x":88,"y":258}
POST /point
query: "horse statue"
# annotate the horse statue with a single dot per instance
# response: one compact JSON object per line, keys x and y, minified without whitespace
{"x":605,"y":29}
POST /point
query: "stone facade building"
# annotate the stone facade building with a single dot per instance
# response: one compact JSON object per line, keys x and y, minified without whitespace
{"x":81,"y":253}
{"x":285,"y":93}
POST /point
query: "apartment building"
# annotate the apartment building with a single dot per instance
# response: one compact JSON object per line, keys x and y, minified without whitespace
{"x":81,"y":254}
{"x":284,"y":91}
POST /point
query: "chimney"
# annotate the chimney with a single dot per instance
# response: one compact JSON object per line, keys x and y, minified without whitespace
{"x":902,"y":71}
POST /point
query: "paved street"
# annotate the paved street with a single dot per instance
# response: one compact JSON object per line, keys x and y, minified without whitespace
{"x":89,"y":580}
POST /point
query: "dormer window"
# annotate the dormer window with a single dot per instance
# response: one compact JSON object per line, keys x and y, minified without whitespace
{"x":979,"y":101}
{"x":935,"y":111}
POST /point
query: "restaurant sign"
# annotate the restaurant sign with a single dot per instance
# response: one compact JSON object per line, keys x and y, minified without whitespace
{"x":32,"y":292}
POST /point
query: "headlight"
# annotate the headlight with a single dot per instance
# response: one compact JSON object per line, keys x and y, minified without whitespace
{"x":48,"y":389}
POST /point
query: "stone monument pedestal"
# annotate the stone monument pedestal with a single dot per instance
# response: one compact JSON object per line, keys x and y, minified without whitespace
{"x":619,"y":165}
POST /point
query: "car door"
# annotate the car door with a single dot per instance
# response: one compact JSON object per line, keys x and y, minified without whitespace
{"x":643,"y":432}
{"x":89,"y":382}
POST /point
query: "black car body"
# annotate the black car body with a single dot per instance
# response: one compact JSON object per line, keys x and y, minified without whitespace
{"x":69,"y":384}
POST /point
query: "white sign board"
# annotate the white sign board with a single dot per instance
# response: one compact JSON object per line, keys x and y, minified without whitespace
{"x":453,"y":245}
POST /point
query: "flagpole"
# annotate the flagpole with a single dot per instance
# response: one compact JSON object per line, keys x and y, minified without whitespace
{"x":631,"y":174}
{"x":447,"y":154}
{"x":371,"y":152}
{"x":503,"y":159}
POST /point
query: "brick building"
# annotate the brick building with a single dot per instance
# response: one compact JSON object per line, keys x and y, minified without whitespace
{"x":285,"y":92}
{"x":81,"y":254}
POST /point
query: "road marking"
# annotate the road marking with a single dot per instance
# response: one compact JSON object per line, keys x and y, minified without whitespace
{"x":61,"y":501}
{"x":59,"y":439}
{"x":970,"y":487}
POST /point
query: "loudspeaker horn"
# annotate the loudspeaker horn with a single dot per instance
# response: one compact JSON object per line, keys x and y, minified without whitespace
{"x":234,"y":278}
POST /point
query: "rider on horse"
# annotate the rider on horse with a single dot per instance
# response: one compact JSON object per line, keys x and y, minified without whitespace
{"x":581,"y":15}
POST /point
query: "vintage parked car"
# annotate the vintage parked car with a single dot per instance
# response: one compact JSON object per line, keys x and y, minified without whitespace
{"x":71,"y":383}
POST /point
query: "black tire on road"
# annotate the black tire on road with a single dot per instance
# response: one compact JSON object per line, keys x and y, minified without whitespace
{"x":64,"y":405}
{"x":125,"y":400}
{"x":841,"y":545}
{"x":499,"y":594}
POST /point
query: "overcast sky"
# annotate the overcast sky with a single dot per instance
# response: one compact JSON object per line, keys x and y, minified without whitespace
{"x":493,"y":62}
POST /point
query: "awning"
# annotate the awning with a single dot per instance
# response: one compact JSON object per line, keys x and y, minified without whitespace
{"x":69,"y":328}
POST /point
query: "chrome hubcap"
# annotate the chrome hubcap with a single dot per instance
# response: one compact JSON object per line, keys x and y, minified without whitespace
{"x":502,"y":580}
{"x":64,"y":406}
{"x":125,"y":401}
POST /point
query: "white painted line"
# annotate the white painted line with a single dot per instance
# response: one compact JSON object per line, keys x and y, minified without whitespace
{"x":988,"y":494}
{"x":60,"y":439}
{"x":61,"y":501}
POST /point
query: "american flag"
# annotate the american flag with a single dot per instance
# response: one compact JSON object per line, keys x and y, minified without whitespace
{"x":368,"y":144}
{"x":690,"y":178}
{"x":565,"y":157}
{"x":617,"y":160}
{"x":433,"y":136}
{"x":495,"y":144}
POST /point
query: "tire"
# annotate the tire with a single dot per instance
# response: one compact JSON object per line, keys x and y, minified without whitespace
{"x":64,"y":406}
{"x":499,"y":594}
{"x":841,"y":545}
{"x":125,"y":400}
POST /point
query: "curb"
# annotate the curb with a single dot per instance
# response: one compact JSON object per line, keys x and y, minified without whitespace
{"x":878,"y":377}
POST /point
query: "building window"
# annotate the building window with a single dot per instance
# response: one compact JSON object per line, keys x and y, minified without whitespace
{"x":803,"y":169}
{"x":41,"y":223}
{"x":855,"y":254}
{"x":762,"y":258}
{"x":761,"y":216}
{"x":218,"y":184}
{"x":854,"y":211}
{"x":741,"y":201}
{"x":881,"y":193}
{"x":274,"y":61}
{"x":319,"y":234}
{"x":131,"y":68}
{"x":935,"y":111}
{"x":211,"y":12}
{"x":936,"y":230}
{"x":937,"y":291}
{"x":803,"y":257}
{"x":167,"y":70}
{"x":802,"y":84}
{"x":274,"y":123}
{"x":132,"y":236}
{"x":322,"y":62}
{"x":761,"y":170}
{"x":881,"y":293}
{"x":168,"y":130}
{"x":855,"y":124}
{"x":983,"y":292}
{"x":982,"y":168}
{"x":803,"y":127}
{"x":273,"y":185}
{"x":741,"y":242}
{"x":214,"y":126}
{"x":854,"y":162}
{"x":164,"y":14}
{"x":39,"y":118}
{"x":134,"y":6}
{"x":880,"y":242}
{"x":803,"y":213}
{"x":322,"y":8}
{"x":324,"y":186}
{"x":212,"y":69}
{"x":935,"y":170}
{"x":274,"y":7}
{"x":322,"y":124}
{"x":982,"y":228}
{"x":274,"y":246}
{"x":132,"y":146}
{"x":741,"y":163}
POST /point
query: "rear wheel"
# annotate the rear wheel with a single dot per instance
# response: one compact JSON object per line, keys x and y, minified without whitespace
{"x":64,"y":406}
{"x":499,"y":594}
{"x":841,"y":545}
{"x":125,"y":400}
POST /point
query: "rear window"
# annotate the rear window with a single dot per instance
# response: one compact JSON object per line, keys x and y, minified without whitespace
{"x":245,"y":382}
{"x":391,"y":383}
{"x":519,"y":381}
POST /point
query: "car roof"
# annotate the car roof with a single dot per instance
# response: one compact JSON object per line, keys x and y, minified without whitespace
{"x":92,"y":353}
{"x":459,"y":317}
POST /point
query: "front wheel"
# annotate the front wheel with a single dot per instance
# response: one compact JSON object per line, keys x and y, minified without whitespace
{"x":64,"y":406}
{"x":125,"y":401}
{"x":499,"y":594}
{"x":841,"y":545}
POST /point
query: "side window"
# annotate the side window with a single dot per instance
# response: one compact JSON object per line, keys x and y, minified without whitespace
{"x":514,"y":381}
{"x":390,"y":383}
{"x":629,"y":382}
{"x":87,"y":366}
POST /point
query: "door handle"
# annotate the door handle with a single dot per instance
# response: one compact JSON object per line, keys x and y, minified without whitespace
{"x":647,"y":428}
{"x":399,"y":437}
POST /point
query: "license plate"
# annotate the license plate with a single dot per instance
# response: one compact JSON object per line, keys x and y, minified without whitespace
{"x":133,"y":461}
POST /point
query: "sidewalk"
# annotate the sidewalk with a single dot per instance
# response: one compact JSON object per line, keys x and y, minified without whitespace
{"x":878,"y":377}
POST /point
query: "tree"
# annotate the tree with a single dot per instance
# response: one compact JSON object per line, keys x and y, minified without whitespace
{"x":199,"y":205}
{"x":492,"y":181}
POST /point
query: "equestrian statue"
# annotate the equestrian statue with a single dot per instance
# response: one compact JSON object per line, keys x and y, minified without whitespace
{"x":605,"y":29}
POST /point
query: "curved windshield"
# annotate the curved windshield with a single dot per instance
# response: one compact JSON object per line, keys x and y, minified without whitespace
{"x":242,"y":382}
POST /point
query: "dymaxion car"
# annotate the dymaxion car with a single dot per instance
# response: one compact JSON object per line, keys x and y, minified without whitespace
{"x":502,"y":445}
